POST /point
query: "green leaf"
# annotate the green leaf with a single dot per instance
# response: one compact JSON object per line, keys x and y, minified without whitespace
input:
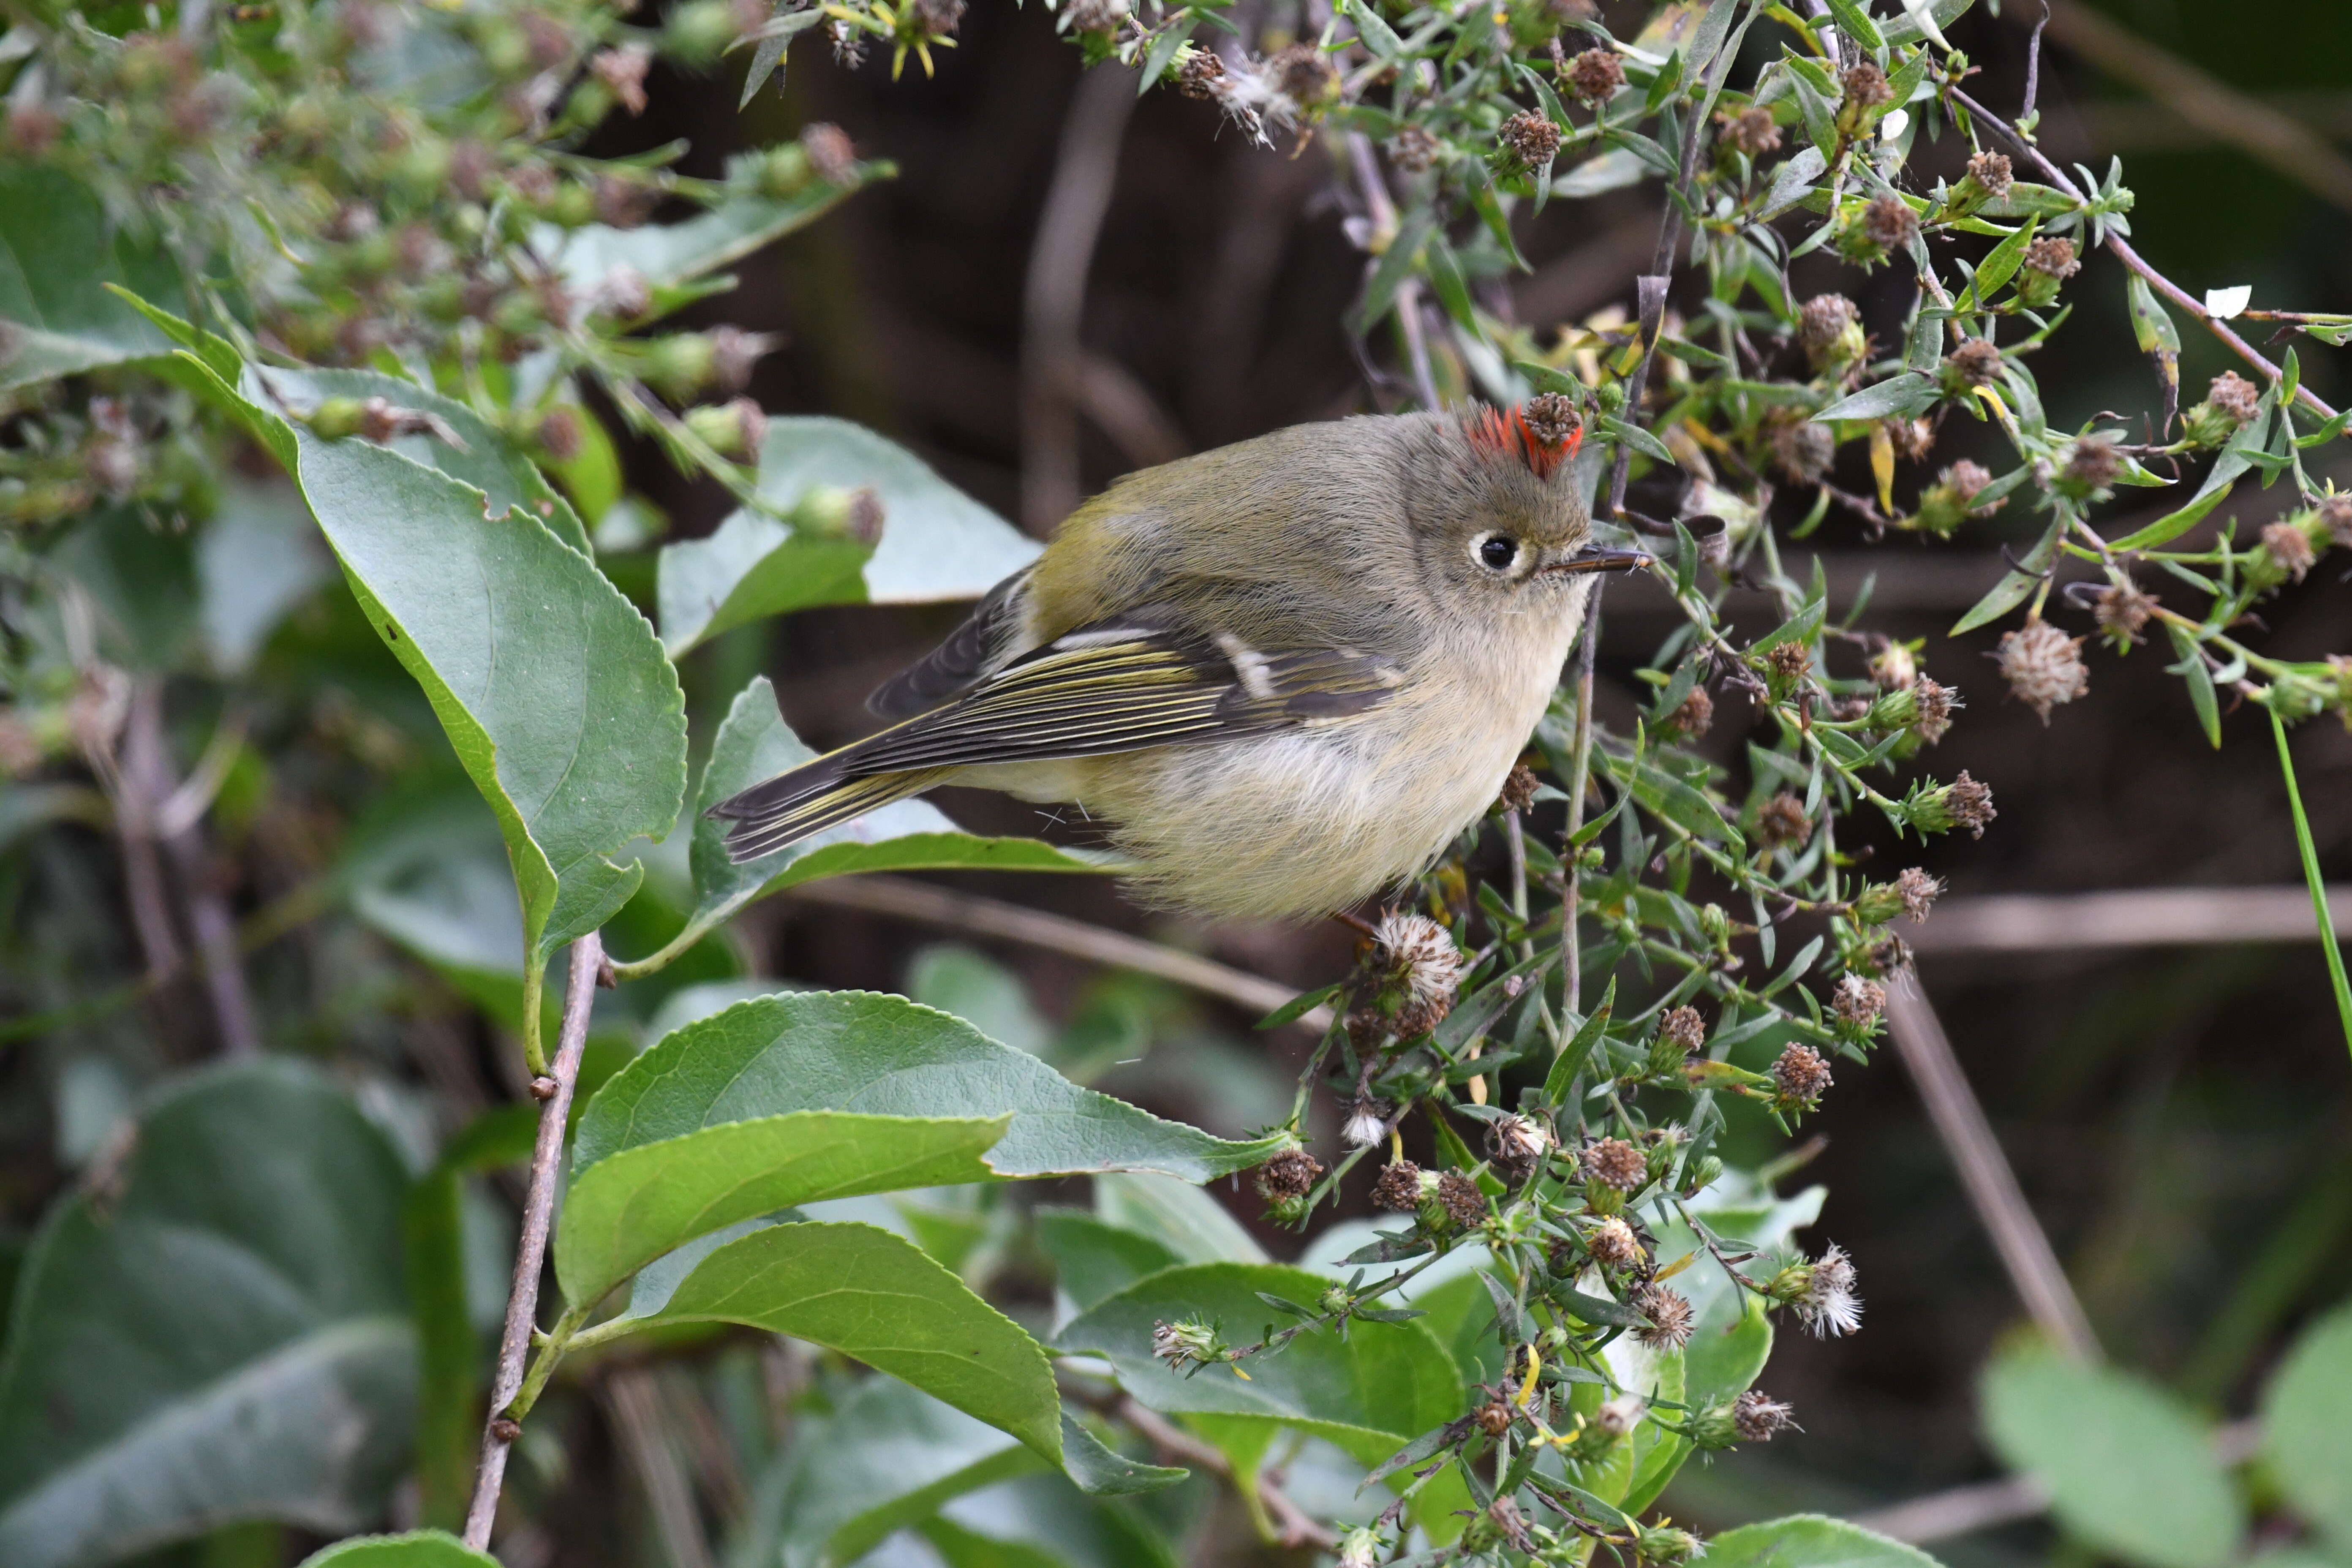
{"x":859,"y":1051}
{"x":1373,"y":28}
{"x":417,"y":1549}
{"x":1094,"y":1259}
{"x":649,"y":1199}
{"x":1034,"y":1522}
{"x":1855,"y":24}
{"x":553,"y":690}
{"x":1901,"y":396}
{"x":2235,"y":460}
{"x":667,"y":254}
{"x":2016,"y":583}
{"x":937,"y":542}
{"x":1182,"y":1218}
{"x":782,"y":28}
{"x":2000,"y":266}
{"x":2191,"y":668}
{"x":1810,"y":1541}
{"x":1389,"y":274}
{"x":224,"y":1336}
{"x":1612,"y":170}
{"x":2152,"y":326}
{"x":863,"y":1291}
{"x":2127,"y":1468}
{"x":1368,"y":1394}
{"x":2306,"y":1437}
{"x":58,"y":254}
{"x":754,"y":743}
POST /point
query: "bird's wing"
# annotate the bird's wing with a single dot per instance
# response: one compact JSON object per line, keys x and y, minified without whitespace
{"x":970,"y":651}
{"x":1114,"y":685}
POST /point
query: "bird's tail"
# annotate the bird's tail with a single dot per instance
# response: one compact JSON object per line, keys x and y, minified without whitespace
{"x":815,"y":795}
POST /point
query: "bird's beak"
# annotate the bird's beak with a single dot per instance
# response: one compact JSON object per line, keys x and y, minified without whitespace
{"x":1602,"y":558}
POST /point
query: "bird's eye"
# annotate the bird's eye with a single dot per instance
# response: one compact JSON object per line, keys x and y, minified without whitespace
{"x":1496,"y":551}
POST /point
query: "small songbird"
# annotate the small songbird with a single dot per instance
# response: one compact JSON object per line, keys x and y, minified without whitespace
{"x":1288,"y":671}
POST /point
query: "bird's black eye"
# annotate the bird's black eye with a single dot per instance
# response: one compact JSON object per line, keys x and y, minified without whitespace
{"x":1498,"y":552}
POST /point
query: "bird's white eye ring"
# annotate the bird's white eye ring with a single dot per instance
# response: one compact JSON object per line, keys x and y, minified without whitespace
{"x":1495,"y":552}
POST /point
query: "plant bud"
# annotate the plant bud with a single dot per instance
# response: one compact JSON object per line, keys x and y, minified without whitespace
{"x":698,"y":32}
{"x":1830,"y":330}
{"x":1893,"y":711}
{"x":829,"y":511}
{"x":1188,"y":1346}
{"x":680,"y":365}
{"x":1940,"y":808}
{"x":1702,"y":1175}
{"x":1988,"y":179}
{"x":337,"y":417}
{"x":2230,"y":405}
{"x":2048,"y":264}
{"x":732,"y":429}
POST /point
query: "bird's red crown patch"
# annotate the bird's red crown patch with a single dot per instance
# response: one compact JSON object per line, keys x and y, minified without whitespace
{"x":1543,"y":432}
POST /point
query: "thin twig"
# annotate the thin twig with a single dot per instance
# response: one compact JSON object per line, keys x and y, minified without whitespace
{"x":1959,"y":1123}
{"x":634,"y":1402}
{"x":1035,"y":928}
{"x":1054,"y":297}
{"x":1580,"y":779}
{"x":138,"y":783}
{"x":1298,"y":1528}
{"x":554,"y":1093}
{"x":1380,"y":208}
{"x":2146,"y":917}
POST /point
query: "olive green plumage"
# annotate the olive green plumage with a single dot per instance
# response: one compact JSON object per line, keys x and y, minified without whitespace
{"x":1287,"y":672}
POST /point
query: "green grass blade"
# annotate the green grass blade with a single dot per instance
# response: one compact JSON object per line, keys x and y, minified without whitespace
{"x":2319,"y":889}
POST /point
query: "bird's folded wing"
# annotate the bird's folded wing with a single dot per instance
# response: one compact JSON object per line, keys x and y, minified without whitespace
{"x":964,"y":659}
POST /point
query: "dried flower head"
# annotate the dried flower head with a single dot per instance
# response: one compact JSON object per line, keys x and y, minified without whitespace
{"x":1894,"y":667}
{"x":1614,"y":1245}
{"x":2234,"y":395}
{"x":1963,"y":803}
{"x":1822,"y":319}
{"x":1936,"y":705}
{"x":1398,"y":1187}
{"x":1668,"y":1319}
{"x":1200,"y":74}
{"x":937,"y":18}
{"x":1890,"y":222}
{"x":1414,"y":150}
{"x":1619,"y":1417}
{"x":1495,"y":1417}
{"x":559,"y":433}
{"x":1305,"y":75}
{"x":1865,"y":86}
{"x":1288,"y":1175}
{"x":1613,"y":1163}
{"x":1459,"y":1197}
{"x":1788,"y":663}
{"x":1802,"y":450}
{"x":2289,"y":547}
{"x":1695,"y":715}
{"x":1857,"y":1002}
{"x":623,"y":72}
{"x":1991,"y":171}
{"x":2053,"y":257}
{"x":1976,"y":363}
{"x":1186,"y":1346}
{"x":1751,"y":131}
{"x":2335,"y":511}
{"x":1801,"y":1075}
{"x":1529,"y":140}
{"x":2044,"y":666}
{"x":1782,"y":820}
{"x":1416,"y":952}
{"x":1518,"y":1144}
{"x":2092,"y":465}
{"x":1596,"y":74}
{"x":1758,"y":1418}
{"x":1828,"y":1304}
{"x":1097,"y":16}
{"x":1919,"y":892}
{"x":831,"y":154}
{"x":1367,"y":1124}
{"x":1911,"y":439}
{"x":1551,"y":417}
{"x":1685,"y":1027}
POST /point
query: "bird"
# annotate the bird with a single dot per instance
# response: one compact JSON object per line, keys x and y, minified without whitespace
{"x":1287,"y":672}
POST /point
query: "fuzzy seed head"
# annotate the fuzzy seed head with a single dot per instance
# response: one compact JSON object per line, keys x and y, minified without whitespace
{"x":1596,"y":74}
{"x":1758,"y":1418}
{"x":1305,"y":75}
{"x":2289,"y":546}
{"x":1857,"y":1002}
{"x":2094,"y":463}
{"x":1398,"y":1187}
{"x":1695,"y":715}
{"x":1529,"y":140}
{"x":1977,"y":363}
{"x":1551,"y":417}
{"x":1613,"y":1163}
{"x":1919,"y":892}
{"x":1912,"y":438}
{"x":1459,"y":1197}
{"x":1367,"y":1123}
{"x":1614,"y":1245}
{"x":1936,"y":705}
{"x":1828,"y":1305}
{"x":1290,"y":1174}
{"x":1668,"y":1320}
{"x":2044,"y":666}
{"x":1782,"y":820}
{"x":622,"y":72}
{"x":1890,"y":222}
{"x":1967,"y":480}
{"x":1895,"y":668}
{"x":1420,"y":953}
{"x":1866,"y":87}
{"x":1200,"y":74}
{"x":1518,"y":1143}
{"x":1992,"y":170}
{"x":1803,"y":450}
{"x":1801,"y":1074}
{"x":1685,"y":1027}
{"x":1618,"y":1416}
{"x":1751,"y":131}
{"x":2052,"y":258}
{"x":2234,"y":395}
{"x":2335,"y":511}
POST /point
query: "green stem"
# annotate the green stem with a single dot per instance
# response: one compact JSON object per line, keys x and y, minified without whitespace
{"x":2311,"y":874}
{"x":667,"y":953}
{"x":534,"y":1049}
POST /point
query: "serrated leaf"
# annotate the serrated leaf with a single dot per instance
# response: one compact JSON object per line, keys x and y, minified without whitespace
{"x":1093,"y":1258}
{"x":937,"y":542}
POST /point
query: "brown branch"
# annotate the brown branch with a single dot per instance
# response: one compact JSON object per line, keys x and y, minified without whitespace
{"x":1959,"y":1123}
{"x":986,"y":917}
{"x":1054,"y":296}
{"x":1380,"y":207}
{"x":555,"y":1094}
{"x":1296,"y":1527}
{"x":2148,"y":917}
{"x":2132,"y":258}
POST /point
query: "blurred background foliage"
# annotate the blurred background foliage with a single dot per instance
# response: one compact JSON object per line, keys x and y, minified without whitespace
{"x":2179,"y":1117}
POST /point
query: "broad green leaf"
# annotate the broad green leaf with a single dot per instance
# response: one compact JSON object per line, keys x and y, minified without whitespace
{"x":967,"y":983}
{"x":1612,"y":170}
{"x":1723,"y":1362}
{"x":1899,"y":396}
{"x":57,"y":253}
{"x":2127,"y":1468}
{"x":1093,"y":1258}
{"x":1184,"y":1219}
{"x":630,"y":1207}
{"x":867,"y":1294}
{"x":1368,"y":1394}
{"x":858,"y":1051}
{"x":888,"y":1457}
{"x":1035,"y":1522}
{"x":553,"y":690}
{"x":2307,"y":1436}
{"x":1810,"y":1541}
{"x":754,"y":743}
{"x":221,"y":1336}
{"x":937,"y":542}
{"x":667,"y":254}
{"x":417,"y":1549}
{"x":255,"y":561}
